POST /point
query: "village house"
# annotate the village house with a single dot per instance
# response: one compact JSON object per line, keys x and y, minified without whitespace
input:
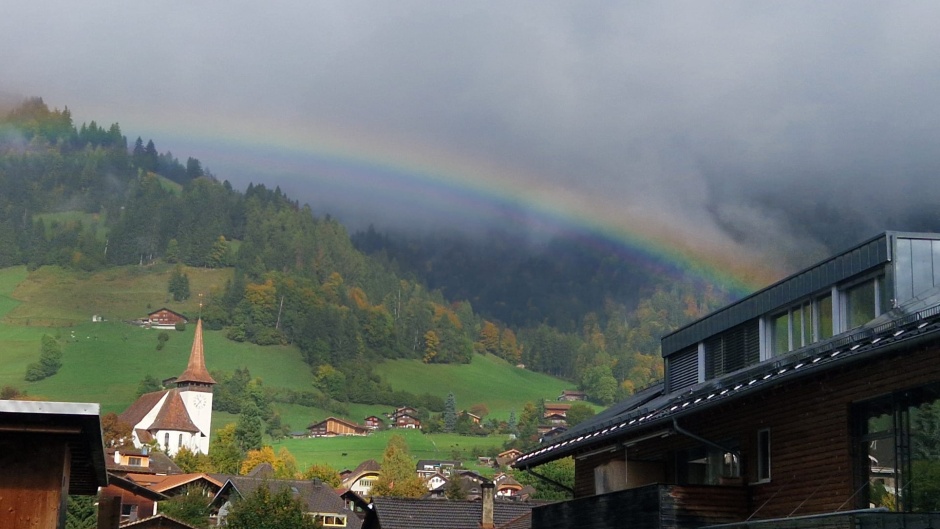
{"x":321,"y":502}
{"x":813,"y":402}
{"x":556,"y":409}
{"x":333,"y":426}
{"x":178,"y":417}
{"x":373,"y":422}
{"x":405,"y":417}
{"x":428,"y":467}
{"x":362,"y":478}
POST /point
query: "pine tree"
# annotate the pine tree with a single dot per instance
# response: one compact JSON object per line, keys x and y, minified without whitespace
{"x":450,"y":414}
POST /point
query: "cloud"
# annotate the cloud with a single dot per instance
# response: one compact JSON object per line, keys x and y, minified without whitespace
{"x":778,"y":128}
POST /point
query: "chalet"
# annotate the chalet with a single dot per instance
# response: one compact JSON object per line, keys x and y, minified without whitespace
{"x":321,"y":502}
{"x":508,"y":457}
{"x":435,"y":482}
{"x":475,"y":419}
{"x":407,"y":420}
{"x":139,"y":461}
{"x":180,"y":416}
{"x":506,"y":486}
{"x":373,"y":422}
{"x":813,"y":402}
{"x":556,"y":419}
{"x":332,"y":426}
{"x":48,"y":450}
{"x":556,"y":408}
{"x":165,"y":319}
{"x":570,"y":395}
{"x":363,"y":477}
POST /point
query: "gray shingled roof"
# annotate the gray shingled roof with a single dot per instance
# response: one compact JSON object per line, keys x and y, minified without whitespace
{"x":402,"y":513}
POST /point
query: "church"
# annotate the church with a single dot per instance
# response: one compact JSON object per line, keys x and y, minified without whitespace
{"x":177,"y":417}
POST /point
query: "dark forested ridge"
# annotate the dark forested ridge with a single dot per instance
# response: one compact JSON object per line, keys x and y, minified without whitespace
{"x":84,"y":198}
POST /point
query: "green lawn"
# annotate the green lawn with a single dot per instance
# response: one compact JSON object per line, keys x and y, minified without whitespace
{"x":349,"y":451}
{"x":487,"y":379}
{"x":104,"y":362}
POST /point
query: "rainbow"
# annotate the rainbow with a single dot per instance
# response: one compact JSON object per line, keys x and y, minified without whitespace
{"x":367,"y":162}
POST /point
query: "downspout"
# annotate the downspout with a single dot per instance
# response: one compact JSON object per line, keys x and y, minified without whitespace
{"x":680,"y":430}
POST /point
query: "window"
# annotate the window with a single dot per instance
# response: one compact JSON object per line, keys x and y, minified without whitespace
{"x":763,"y":456}
{"x":733,"y":349}
{"x":863,"y":302}
{"x":331,"y":520}
{"x":707,"y":465}
{"x":899,"y":450}
{"x":179,"y":442}
{"x":801,"y":325}
{"x":166,"y":440}
{"x":134,"y":461}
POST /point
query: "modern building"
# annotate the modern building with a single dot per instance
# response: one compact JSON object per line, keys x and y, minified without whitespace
{"x":815,"y":401}
{"x":177,"y":417}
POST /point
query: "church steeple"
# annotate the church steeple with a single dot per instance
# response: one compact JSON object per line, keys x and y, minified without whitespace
{"x":196,"y":373}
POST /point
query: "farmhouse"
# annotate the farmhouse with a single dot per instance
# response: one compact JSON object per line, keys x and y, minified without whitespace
{"x":177,"y":417}
{"x":332,"y":426}
{"x":805,"y":404}
{"x":165,"y":319}
{"x":572,"y":395}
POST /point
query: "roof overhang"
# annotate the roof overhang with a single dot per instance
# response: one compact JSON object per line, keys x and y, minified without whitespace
{"x":78,"y":423}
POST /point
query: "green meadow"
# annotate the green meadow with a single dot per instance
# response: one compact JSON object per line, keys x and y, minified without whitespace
{"x":105,"y":361}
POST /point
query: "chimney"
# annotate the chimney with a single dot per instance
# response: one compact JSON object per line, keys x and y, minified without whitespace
{"x":117,"y":457}
{"x":489,"y":489}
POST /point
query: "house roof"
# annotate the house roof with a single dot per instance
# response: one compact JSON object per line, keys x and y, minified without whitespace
{"x":135,"y":488}
{"x":141,"y":407}
{"x":164,"y":309}
{"x":316,"y":495}
{"x":405,"y":513}
{"x":173,"y":415}
{"x":158,"y":521}
{"x":914,"y":323}
{"x":78,"y":423}
{"x":196,"y":368}
{"x":521,"y":522}
{"x":341,"y":421}
{"x":180,"y":480}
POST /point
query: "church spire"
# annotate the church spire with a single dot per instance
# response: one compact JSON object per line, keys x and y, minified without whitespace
{"x":196,"y":371}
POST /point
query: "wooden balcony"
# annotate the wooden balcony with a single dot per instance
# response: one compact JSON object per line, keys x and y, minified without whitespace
{"x":649,"y":507}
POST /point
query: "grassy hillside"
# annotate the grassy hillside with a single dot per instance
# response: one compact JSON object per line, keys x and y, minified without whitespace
{"x":104,"y":362}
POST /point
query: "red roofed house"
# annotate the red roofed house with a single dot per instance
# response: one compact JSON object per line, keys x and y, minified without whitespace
{"x":177,"y":417}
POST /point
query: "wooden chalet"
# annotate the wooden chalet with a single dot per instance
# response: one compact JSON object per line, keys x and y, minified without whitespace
{"x":556,"y":408}
{"x":333,"y":426}
{"x":814,"y":402}
{"x":373,"y":422}
{"x":407,"y":420}
{"x":48,"y":450}
{"x":571,"y":395}
{"x":165,"y":318}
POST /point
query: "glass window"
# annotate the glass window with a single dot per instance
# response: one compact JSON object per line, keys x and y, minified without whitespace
{"x":900,"y":450}
{"x":809,"y":330}
{"x":824,"y":309}
{"x":763,"y":455}
{"x":860,"y":304}
{"x":781,"y":336}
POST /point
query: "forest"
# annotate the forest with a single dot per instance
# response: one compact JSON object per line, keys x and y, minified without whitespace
{"x":84,"y":198}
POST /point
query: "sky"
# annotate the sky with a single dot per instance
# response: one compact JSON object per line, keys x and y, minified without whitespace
{"x":743,"y":134}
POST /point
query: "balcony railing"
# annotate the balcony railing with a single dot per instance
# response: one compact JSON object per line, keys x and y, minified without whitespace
{"x":649,"y":507}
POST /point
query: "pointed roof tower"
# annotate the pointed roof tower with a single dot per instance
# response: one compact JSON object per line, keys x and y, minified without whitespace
{"x":196,"y":371}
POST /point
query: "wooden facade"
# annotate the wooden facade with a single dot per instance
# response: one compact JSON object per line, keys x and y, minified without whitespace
{"x":814,"y":463}
{"x":165,"y":318}
{"x":334,"y":426}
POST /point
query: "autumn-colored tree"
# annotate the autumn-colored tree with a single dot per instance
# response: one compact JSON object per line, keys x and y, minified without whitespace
{"x":431,"y":346}
{"x":398,"y":478}
{"x":116,"y":433}
{"x":190,"y":461}
{"x":480,"y":409}
{"x":489,"y":337}
{"x":283,"y":463}
{"x":508,"y":347}
{"x":324,"y":473}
